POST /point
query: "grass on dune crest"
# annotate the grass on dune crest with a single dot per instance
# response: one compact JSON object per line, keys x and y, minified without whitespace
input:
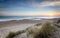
{"x":57,"y":23}
{"x":13,"y":34}
{"x":46,"y":31}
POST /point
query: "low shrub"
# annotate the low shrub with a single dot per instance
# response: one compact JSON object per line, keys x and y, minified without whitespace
{"x":12,"y":34}
{"x":46,"y":31}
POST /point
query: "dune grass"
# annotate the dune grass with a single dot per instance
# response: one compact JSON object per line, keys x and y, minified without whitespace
{"x":58,"y":21}
{"x":13,"y":34}
{"x":46,"y":31}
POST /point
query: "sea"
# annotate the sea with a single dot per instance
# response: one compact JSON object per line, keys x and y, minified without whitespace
{"x":9,"y":18}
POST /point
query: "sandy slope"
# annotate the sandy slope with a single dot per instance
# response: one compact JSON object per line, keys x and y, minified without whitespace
{"x":5,"y":30}
{"x":6,"y":27}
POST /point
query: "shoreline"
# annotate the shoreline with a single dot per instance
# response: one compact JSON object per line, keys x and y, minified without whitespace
{"x":24,"y":21}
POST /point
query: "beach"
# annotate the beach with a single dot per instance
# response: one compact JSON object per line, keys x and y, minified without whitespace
{"x":16,"y":25}
{"x":8,"y":26}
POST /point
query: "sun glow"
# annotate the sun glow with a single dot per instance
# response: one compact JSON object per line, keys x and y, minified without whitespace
{"x":50,"y":14}
{"x":54,"y":14}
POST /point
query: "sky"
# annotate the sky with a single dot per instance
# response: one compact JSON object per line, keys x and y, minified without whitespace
{"x":29,"y":7}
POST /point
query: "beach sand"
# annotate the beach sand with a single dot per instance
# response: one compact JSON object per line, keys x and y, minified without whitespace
{"x":8,"y":26}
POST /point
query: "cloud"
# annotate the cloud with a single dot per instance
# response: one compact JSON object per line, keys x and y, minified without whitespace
{"x":29,"y":13}
{"x":50,"y":3}
{"x":45,"y":3}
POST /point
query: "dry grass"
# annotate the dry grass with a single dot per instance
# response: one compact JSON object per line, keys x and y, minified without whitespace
{"x":13,"y":34}
{"x":46,"y":31}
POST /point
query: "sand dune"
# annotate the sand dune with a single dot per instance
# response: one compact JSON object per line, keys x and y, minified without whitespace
{"x":8,"y":26}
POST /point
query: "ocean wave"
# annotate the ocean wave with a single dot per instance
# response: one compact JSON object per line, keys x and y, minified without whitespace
{"x":22,"y":18}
